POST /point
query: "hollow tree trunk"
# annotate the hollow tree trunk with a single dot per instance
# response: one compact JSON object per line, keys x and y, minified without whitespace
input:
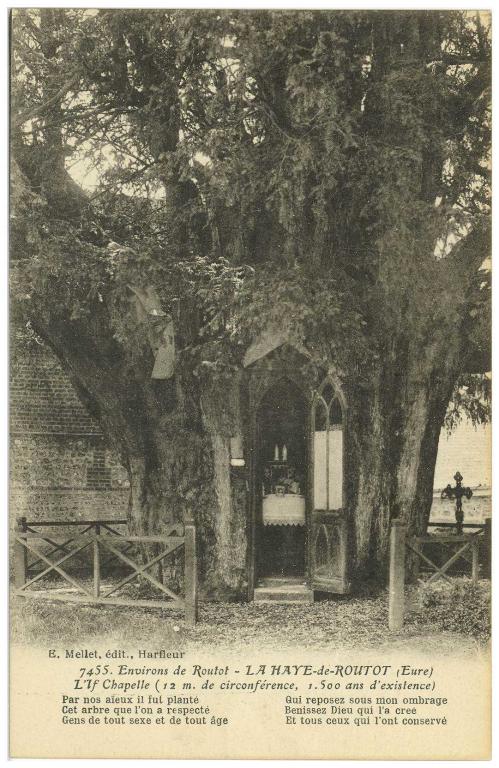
{"x":174,"y":438}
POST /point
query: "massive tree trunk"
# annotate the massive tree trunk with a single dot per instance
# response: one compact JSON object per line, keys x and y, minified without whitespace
{"x":396,"y":426}
{"x":173,"y":438}
{"x":183,"y":472}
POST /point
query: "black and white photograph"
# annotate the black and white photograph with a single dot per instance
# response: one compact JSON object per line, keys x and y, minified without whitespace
{"x":250,"y":511}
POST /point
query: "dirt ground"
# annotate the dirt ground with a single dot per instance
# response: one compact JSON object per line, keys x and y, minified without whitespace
{"x":339,"y":623}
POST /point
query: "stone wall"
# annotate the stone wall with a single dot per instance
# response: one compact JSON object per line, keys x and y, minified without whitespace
{"x":61,"y":467}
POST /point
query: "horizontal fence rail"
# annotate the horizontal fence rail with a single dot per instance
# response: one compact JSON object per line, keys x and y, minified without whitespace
{"x":481,"y":526}
{"x":469,"y":546}
{"x":24,"y":524}
{"x":105,"y":544}
{"x":88,"y":525}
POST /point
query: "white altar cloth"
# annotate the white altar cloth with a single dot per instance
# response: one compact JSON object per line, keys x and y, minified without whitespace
{"x":284,"y":509}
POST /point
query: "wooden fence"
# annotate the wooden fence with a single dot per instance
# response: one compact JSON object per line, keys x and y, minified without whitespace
{"x":105,"y":543}
{"x":400,"y":543}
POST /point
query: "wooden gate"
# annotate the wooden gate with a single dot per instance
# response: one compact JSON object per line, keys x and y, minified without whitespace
{"x":105,"y":544}
{"x":328,"y":528}
{"x":329,"y":552}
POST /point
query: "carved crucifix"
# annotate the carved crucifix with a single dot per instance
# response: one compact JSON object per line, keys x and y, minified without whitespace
{"x":457,"y":493}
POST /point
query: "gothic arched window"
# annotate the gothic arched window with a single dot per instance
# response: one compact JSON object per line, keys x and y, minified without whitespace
{"x":327,"y":431}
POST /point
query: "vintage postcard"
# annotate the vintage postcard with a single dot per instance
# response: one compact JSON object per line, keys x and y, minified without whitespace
{"x":250,"y":396}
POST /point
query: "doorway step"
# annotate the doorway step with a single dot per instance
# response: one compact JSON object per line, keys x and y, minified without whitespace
{"x":283,"y":589}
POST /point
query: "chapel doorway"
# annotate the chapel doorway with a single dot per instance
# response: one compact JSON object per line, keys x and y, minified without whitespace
{"x":282,"y":471}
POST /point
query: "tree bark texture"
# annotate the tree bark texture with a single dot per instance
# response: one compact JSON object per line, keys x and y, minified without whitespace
{"x":394,"y":431}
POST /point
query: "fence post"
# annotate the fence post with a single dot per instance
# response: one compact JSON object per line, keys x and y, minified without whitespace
{"x":190,"y":572}
{"x":20,"y":555}
{"x":488,"y":547}
{"x":96,"y":562}
{"x":397,"y":575}
{"x":475,"y":562}
{"x":417,"y":560}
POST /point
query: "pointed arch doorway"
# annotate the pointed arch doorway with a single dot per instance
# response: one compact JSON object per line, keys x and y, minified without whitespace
{"x":299,"y":529}
{"x":282,"y":474}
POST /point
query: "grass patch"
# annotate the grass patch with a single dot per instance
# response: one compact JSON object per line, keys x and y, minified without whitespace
{"x":461,"y":607}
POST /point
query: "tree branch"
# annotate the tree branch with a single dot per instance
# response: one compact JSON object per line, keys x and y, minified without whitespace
{"x":470,"y":252}
{"x":42,"y":108}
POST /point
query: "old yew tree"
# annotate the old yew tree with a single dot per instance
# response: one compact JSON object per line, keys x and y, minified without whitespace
{"x":324,"y":172}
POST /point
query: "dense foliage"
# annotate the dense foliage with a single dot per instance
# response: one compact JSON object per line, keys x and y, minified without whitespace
{"x":330,"y":151}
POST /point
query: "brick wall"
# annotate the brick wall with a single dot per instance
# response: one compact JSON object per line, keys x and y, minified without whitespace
{"x":61,"y":467}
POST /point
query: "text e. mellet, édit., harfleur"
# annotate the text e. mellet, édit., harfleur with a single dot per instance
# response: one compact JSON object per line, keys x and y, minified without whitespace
{"x":119,"y":653}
